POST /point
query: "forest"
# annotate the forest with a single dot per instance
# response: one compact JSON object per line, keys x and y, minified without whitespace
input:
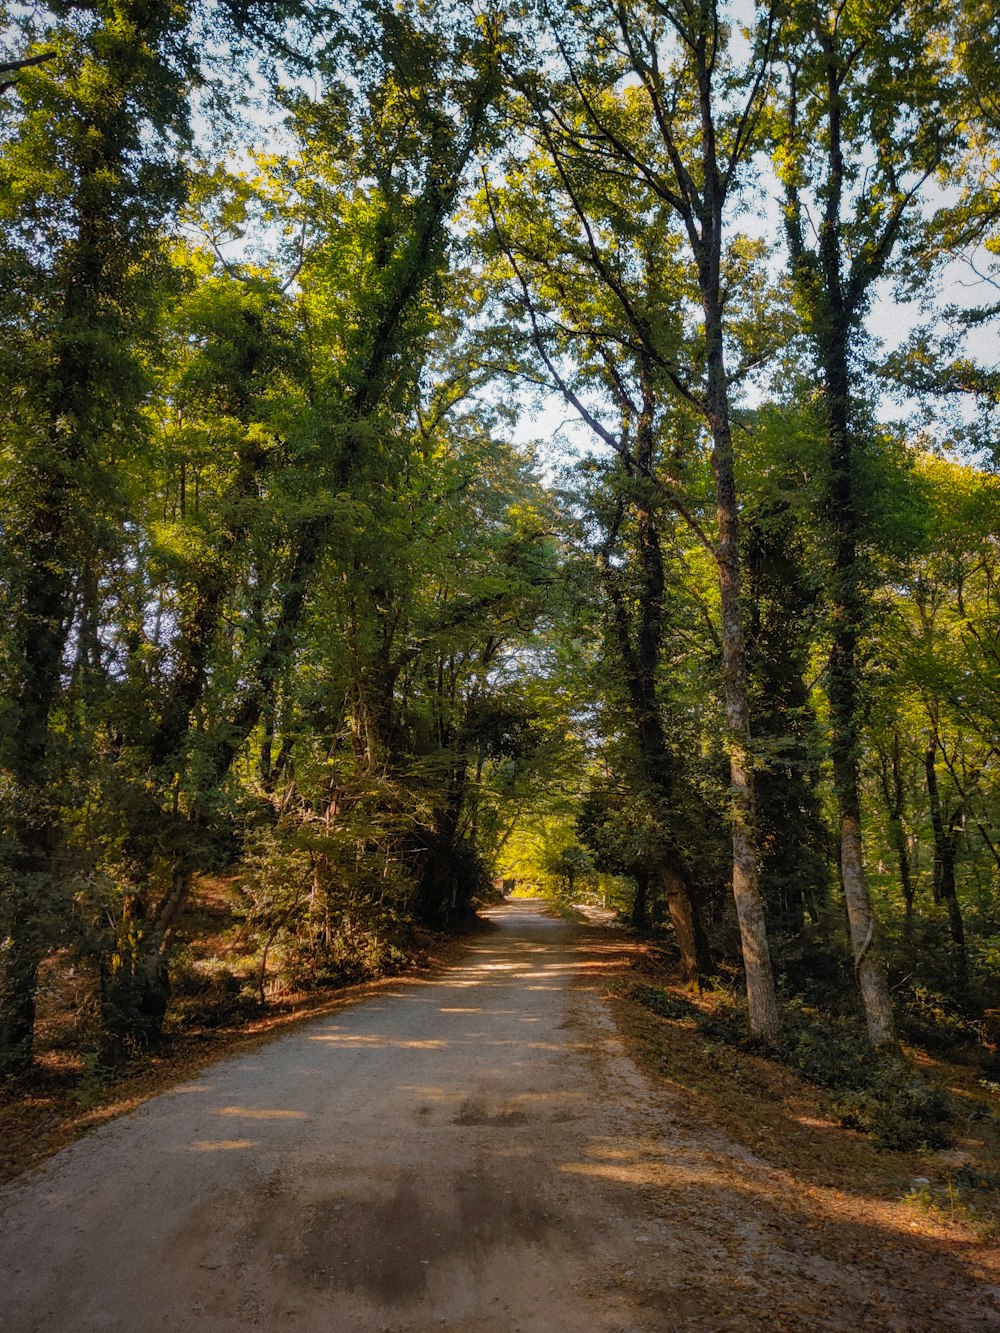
{"x":453,"y":442}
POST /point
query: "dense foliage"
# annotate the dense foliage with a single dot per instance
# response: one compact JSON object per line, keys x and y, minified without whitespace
{"x":291,"y":598}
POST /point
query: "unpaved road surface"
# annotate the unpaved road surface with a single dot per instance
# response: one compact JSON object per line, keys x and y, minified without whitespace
{"x":473,"y":1152}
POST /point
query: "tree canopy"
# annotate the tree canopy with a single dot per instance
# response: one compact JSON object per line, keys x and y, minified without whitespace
{"x":302,"y":591}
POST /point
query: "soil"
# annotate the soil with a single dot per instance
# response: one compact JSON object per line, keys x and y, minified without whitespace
{"x":485,"y":1149}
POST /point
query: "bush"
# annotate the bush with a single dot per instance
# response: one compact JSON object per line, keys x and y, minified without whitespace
{"x":829,"y":1050}
{"x":318,"y":912}
{"x":212,"y":996}
{"x":936,"y":1023}
{"x":880,"y":1095}
{"x":898,"y":1107}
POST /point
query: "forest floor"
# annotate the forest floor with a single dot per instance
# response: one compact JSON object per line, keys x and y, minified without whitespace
{"x":508,"y":1140}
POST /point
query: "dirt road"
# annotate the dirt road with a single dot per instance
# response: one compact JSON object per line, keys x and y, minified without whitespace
{"x":472,"y":1152}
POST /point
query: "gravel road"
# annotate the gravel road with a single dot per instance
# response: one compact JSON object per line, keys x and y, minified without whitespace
{"x":472,"y":1152}
{"x":431,"y":1158}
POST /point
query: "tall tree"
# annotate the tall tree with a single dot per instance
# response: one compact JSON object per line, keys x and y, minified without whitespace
{"x":88,"y":174}
{"x":371,"y":197}
{"x":652,"y":94}
{"x":859,"y":132}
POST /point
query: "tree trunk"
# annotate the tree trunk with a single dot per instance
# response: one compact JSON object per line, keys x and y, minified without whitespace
{"x":945,"y":857}
{"x":135,"y":973}
{"x":868,"y":967}
{"x":891,"y":781}
{"x":689,"y":933}
{"x":639,"y":637}
{"x":846,"y":614}
{"x":639,"y":918}
{"x":779,"y":600}
{"x":19,"y":984}
{"x":41,"y":629}
{"x":899,"y":837}
{"x":762,"y":1001}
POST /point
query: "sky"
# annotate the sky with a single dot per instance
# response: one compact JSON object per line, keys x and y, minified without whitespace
{"x":962,"y":284}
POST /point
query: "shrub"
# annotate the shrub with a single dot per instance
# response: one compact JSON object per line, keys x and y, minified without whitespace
{"x":936,"y":1023}
{"x":320,"y":911}
{"x":880,"y":1095}
{"x":211,"y":995}
{"x":897,"y":1106}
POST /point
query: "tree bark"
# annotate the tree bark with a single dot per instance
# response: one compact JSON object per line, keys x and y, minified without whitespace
{"x":846,"y":615}
{"x":945,"y":858}
{"x":893,"y":792}
{"x":762,"y":1001}
{"x":639,"y":917}
{"x":689,"y":932}
{"x":639,"y":640}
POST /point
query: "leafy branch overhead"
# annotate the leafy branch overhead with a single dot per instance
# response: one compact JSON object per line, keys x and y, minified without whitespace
{"x":453,"y":444}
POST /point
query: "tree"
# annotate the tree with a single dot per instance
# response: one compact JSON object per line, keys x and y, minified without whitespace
{"x":935,"y":703}
{"x":381,"y":169}
{"x":651,"y":96}
{"x":859,"y":130}
{"x":783,"y":624}
{"x":88,"y":175}
{"x":211,"y":608}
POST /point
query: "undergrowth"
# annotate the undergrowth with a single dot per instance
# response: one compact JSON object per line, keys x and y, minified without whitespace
{"x":930,"y":1020}
{"x":965,"y":1195}
{"x":880,"y":1095}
